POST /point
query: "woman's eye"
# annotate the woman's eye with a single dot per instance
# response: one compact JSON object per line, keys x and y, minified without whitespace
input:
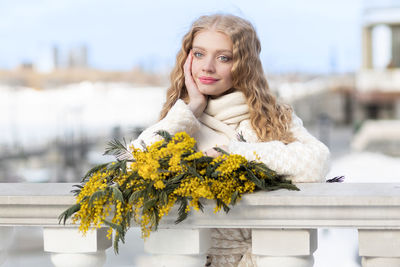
{"x":197,"y":54}
{"x":224,"y":58}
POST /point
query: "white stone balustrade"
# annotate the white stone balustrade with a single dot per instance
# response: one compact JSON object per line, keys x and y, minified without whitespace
{"x":283,"y":225}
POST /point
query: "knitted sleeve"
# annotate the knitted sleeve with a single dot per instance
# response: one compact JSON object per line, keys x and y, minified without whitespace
{"x":179,"y":118}
{"x":305,"y":160}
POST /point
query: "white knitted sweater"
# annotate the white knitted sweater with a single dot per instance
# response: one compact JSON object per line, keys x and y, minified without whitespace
{"x":305,"y":160}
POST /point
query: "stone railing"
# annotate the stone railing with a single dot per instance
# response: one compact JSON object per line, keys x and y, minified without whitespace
{"x":284,"y":225}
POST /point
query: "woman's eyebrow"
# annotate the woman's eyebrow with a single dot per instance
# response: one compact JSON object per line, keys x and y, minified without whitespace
{"x":218,"y":51}
{"x":198,"y":47}
{"x":224,"y":50}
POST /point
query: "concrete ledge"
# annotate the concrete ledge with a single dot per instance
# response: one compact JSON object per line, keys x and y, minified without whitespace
{"x":363,"y":206}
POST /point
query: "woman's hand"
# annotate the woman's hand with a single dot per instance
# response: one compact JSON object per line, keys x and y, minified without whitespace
{"x":197,"y":101}
{"x":214,"y":153}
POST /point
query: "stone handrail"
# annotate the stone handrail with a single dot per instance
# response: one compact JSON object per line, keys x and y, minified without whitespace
{"x":286,"y":219}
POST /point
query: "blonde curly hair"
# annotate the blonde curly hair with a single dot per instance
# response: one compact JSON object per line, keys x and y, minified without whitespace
{"x":269,"y":119}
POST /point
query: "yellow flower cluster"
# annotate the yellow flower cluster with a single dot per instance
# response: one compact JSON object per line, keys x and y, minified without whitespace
{"x":93,"y":210}
{"x":164,"y":173}
{"x":231,"y":163}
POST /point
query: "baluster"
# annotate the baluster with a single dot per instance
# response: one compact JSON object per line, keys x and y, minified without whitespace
{"x":379,"y":248}
{"x":284,"y":247}
{"x":69,"y":248}
{"x":6,"y":238}
{"x":177,"y":248}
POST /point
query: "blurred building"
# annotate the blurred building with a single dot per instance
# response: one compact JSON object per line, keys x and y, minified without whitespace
{"x":378,"y":80}
{"x":48,"y":59}
{"x":55,"y":57}
{"x":77,"y":57}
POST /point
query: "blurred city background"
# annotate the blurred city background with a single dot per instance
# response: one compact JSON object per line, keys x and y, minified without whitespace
{"x":76,"y":74}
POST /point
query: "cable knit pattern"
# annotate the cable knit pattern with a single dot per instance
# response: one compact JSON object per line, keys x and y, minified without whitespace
{"x":179,"y":118}
{"x":305,"y":160}
{"x":231,"y":247}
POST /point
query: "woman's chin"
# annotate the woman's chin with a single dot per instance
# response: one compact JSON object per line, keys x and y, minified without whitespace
{"x":204,"y":91}
{"x":213,"y":92}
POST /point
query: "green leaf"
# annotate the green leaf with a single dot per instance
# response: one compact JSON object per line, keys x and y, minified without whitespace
{"x":182,"y":214}
{"x":116,"y":245}
{"x":68,"y":213}
{"x":96,"y":195}
{"x":77,"y":191}
{"x":118,"y":194}
{"x":220,"y":203}
{"x":240,"y":137}
{"x":118,"y":149}
{"x":115,"y":226}
{"x":173,"y":183}
{"x":201,"y":206}
{"x":211,"y":170}
{"x":163,"y":198}
{"x":220,"y":150}
{"x":119,"y":166}
{"x":165,"y":135}
{"x":204,"y":159}
{"x":193,"y":171}
{"x":149,"y":191}
{"x":263,"y":168}
{"x":164,"y":163}
{"x":225,"y":207}
{"x":93,"y":170}
{"x":171,"y":188}
{"x":154,"y":218}
{"x":282,"y":186}
{"x":147,"y":205}
{"x":121,"y":234}
{"x":126,"y":192}
{"x":135,"y":196}
{"x":144,"y":146}
{"x":128,"y":217}
{"x":176,"y":179}
{"x":234,"y":197}
{"x":260,"y":184}
{"x":132,"y":176}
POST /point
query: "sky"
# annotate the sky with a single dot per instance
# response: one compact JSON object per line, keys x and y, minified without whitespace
{"x":315,"y":36}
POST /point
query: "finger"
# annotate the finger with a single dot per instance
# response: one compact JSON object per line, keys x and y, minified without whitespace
{"x":188,"y":72}
{"x":188,"y":63}
{"x":190,"y":57}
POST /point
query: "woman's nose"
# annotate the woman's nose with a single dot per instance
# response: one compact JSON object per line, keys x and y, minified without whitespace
{"x":209,"y":65}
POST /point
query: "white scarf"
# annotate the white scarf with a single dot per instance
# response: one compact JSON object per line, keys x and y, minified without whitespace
{"x":222,"y":116}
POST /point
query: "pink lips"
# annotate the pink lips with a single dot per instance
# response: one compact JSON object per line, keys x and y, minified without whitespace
{"x":207,"y":80}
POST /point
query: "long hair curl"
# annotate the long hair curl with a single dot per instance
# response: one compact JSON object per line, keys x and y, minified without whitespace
{"x":270,"y":120}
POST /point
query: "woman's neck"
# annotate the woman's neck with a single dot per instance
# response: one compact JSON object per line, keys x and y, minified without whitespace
{"x":227,"y":92}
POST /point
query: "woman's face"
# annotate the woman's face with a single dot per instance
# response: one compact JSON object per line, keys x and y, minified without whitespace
{"x":212,"y":62}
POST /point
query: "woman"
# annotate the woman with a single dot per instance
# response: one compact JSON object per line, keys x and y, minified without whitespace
{"x":218,"y":92}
